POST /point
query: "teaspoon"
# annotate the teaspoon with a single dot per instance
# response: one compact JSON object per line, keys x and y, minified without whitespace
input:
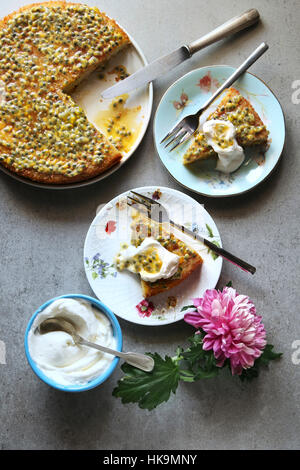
{"x":141,"y":361}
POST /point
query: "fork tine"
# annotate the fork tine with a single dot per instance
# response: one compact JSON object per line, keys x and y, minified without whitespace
{"x":175,"y":129}
{"x":175,"y":137}
{"x":147,"y":208}
{"x":183,"y":139}
{"x":136,"y":201}
{"x":178,"y":137}
{"x":145,"y":198}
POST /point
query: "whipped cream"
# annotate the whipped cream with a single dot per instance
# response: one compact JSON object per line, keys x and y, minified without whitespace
{"x":221,"y":136}
{"x":151,"y":260}
{"x":57,"y":355}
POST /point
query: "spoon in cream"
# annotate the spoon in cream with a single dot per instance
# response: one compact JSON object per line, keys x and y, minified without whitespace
{"x":141,"y":361}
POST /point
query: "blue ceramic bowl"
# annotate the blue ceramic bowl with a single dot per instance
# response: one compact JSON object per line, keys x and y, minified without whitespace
{"x":95,"y":382}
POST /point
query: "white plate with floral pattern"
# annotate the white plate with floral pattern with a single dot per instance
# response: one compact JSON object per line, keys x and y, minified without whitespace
{"x":121,"y":291}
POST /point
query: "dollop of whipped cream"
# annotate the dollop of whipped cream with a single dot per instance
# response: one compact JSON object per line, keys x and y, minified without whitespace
{"x":221,"y":136}
{"x":151,"y":260}
{"x":57,"y":355}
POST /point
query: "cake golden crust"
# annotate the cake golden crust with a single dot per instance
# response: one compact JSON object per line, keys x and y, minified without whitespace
{"x":250,"y":130}
{"x":46,"y":49}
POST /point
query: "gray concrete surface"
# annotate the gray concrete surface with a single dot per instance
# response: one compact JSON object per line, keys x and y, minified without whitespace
{"x":42,"y":235}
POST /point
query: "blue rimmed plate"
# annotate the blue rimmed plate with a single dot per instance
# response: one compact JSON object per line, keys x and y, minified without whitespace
{"x":185,"y":97}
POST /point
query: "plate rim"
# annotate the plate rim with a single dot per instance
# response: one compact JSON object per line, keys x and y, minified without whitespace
{"x":147,"y":188}
{"x":219,"y":196}
{"x":111,"y":170}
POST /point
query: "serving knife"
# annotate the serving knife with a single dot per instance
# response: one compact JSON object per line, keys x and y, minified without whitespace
{"x":168,"y":62}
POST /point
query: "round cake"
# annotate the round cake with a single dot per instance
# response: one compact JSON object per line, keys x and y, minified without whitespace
{"x":45,"y":50}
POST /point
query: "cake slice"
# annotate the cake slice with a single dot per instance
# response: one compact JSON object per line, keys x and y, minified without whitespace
{"x":190,"y":260}
{"x":250,"y":130}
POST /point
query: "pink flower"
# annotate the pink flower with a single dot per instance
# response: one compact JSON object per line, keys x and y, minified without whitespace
{"x":145,"y":308}
{"x":234,"y":330}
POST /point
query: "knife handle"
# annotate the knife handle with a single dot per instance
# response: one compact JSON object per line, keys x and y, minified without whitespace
{"x":232,"y":26}
{"x":230,"y":257}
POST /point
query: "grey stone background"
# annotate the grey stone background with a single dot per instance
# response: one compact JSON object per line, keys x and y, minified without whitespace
{"x":42,"y":236}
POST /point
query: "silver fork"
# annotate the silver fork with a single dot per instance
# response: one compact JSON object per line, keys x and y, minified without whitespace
{"x":182,"y":131}
{"x":157,"y":212}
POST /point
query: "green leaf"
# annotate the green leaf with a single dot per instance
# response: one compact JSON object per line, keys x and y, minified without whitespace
{"x":229,"y":284}
{"x":210,"y":232}
{"x":94,"y":275}
{"x":192,"y":354}
{"x":188,"y":307}
{"x":267,"y":356}
{"x":202,"y":364}
{"x":187,"y":376}
{"x":214,"y":255}
{"x":149,"y":389}
{"x":249,"y":374}
{"x":178,"y":356}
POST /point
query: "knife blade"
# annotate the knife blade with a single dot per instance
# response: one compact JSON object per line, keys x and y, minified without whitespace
{"x":168,"y":62}
{"x":149,"y":73}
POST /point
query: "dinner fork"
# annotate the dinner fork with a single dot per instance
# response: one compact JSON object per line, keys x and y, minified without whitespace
{"x":157,"y":212}
{"x":182,"y":131}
